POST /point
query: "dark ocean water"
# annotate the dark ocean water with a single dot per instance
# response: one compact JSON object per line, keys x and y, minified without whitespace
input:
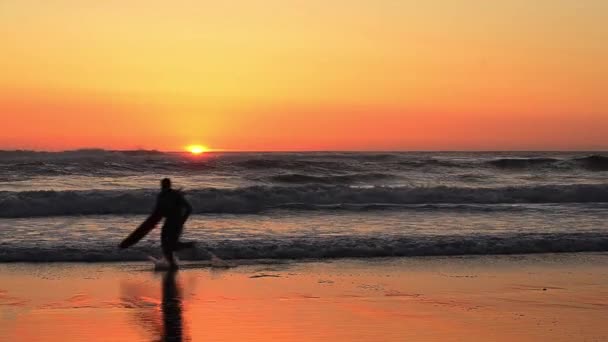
{"x":77,"y":205}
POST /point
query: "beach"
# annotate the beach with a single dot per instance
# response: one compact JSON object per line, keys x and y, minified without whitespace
{"x":304,"y":171}
{"x":322,"y":246}
{"x":557,"y":297}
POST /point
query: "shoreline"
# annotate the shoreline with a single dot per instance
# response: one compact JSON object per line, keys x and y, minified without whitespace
{"x":206,"y":263}
{"x":558,"y":297}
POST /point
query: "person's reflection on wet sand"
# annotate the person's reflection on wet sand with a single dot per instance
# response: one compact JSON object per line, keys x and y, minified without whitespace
{"x":161,"y":317}
{"x":171,"y":308}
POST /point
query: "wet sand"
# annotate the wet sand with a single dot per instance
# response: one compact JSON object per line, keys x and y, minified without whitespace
{"x":499,"y":298}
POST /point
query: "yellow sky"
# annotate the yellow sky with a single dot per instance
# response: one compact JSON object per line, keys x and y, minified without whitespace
{"x":276,"y":75}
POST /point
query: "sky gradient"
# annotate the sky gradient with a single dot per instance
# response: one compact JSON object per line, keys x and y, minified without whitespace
{"x":304,"y":74}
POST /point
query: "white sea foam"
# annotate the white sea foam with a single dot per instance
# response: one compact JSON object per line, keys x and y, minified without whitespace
{"x":311,"y":197}
{"x":323,"y":248}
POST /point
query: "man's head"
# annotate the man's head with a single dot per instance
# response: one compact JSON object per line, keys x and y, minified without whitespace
{"x":165,"y":184}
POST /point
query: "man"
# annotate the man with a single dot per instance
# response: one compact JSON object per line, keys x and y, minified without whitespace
{"x":172,"y":205}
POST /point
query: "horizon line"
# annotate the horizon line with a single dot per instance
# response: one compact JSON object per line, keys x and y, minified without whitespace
{"x":307,"y":151}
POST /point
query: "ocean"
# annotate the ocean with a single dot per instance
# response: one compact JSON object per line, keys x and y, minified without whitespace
{"x":78,"y":205}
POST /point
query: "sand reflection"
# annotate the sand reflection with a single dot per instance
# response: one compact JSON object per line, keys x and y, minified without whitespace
{"x":162,"y":318}
{"x":172,"y":309}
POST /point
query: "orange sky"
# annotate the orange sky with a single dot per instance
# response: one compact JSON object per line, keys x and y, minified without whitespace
{"x":304,"y":74}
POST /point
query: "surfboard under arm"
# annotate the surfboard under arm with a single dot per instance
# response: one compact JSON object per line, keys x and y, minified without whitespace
{"x":141,"y":231}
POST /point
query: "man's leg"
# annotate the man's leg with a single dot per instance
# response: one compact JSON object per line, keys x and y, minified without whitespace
{"x":170,"y":257}
{"x":184,"y":245}
{"x":169,"y":244}
{"x":179,"y":245}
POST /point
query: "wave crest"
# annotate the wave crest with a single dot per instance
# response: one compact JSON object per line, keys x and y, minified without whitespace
{"x":324,"y":248}
{"x":259,"y":198}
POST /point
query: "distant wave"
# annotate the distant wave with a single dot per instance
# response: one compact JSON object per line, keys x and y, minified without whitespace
{"x":289,"y":164}
{"x":595,"y":162}
{"x":21,"y":165}
{"x":296,"y":178}
{"x":518,"y":163}
{"x":342,"y":162}
{"x":592,"y":163}
{"x":323,"y":248}
{"x":80,"y":153}
{"x":432,"y":162}
{"x":259,"y":198}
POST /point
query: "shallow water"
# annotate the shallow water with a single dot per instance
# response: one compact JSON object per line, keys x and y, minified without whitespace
{"x":286,"y":234}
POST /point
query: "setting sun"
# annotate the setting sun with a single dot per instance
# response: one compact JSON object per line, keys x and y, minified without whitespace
{"x":197,"y":149}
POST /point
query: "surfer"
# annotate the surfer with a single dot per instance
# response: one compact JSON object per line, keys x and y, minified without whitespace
{"x":172,"y":205}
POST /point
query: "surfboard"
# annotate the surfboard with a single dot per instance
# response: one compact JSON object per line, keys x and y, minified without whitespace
{"x":141,"y":231}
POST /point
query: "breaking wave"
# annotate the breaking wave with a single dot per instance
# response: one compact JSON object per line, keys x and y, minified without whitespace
{"x":324,"y":248}
{"x":260,"y":198}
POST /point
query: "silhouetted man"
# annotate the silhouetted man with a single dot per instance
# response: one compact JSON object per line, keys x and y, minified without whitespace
{"x":172,"y":205}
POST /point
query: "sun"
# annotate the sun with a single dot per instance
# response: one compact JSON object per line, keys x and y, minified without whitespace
{"x":197,"y":149}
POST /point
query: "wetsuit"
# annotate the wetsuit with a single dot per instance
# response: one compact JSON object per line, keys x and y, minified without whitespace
{"x":173,"y":206}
